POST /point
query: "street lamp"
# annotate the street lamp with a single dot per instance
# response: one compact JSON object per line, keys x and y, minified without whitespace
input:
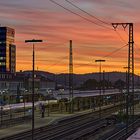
{"x":100,"y":61}
{"x":33,"y":61}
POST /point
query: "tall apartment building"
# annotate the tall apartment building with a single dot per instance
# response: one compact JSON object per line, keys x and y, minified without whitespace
{"x":7,"y":50}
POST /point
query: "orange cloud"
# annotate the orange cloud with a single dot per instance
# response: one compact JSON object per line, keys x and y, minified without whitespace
{"x":44,"y":20}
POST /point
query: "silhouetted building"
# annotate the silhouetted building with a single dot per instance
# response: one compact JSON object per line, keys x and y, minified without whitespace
{"x":7,"y":50}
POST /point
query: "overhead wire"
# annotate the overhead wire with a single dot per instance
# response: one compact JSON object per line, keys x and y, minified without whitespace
{"x":87,"y":12}
{"x":121,"y":38}
{"x":107,"y":23}
{"x":118,"y":49}
{"x":106,"y":56}
{"x":111,"y":53}
{"x":115,"y":51}
{"x":91,"y":21}
{"x":59,"y":61}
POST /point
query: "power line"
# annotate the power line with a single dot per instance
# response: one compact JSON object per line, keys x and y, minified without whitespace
{"x":121,"y":38}
{"x":87,"y":13}
{"x":107,"y":23}
{"x":115,"y":51}
{"x":80,"y":15}
{"x":105,"y":55}
{"x":87,"y":18}
{"x":63,"y":58}
{"x":95,"y":18}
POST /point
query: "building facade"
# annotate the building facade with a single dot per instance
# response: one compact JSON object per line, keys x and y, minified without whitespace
{"x":7,"y":50}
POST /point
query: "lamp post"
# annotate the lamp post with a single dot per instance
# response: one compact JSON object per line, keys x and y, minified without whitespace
{"x":100,"y":62}
{"x":33,"y":89}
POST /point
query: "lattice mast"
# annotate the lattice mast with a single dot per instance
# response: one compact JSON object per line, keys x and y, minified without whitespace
{"x":71,"y":109}
{"x":130,"y":75}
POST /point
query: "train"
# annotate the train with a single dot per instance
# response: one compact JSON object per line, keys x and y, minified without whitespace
{"x":135,"y":136}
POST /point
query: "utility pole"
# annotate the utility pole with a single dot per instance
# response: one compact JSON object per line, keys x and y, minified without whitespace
{"x":100,"y":97}
{"x":138,"y":79}
{"x":103,"y":84}
{"x":108,"y":83}
{"x":130,"y":78}
{"x":126,"y":99}
{"x":33,"y":84}
{"x":71,"y":106}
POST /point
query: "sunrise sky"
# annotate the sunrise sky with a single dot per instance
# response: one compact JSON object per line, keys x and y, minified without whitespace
{"x":42,"y":19}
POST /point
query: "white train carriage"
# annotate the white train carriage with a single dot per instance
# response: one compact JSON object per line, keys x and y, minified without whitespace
{"x":135,"y":136}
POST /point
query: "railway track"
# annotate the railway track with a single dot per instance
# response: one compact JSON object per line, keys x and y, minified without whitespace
{"x":15,"y":121}
{"x":68,"y":127}
{"x":69,"y":130}
{"x":122,"y":134}
{"x":93,"y":128}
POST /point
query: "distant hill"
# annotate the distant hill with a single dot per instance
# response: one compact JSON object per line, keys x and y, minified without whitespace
{"x":42,"y":73}
{"x":80,"y":78}
{"x":63,"y":79}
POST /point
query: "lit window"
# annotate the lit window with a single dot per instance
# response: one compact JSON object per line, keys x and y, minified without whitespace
{"x":2,"y":58}
{"x":2,"y":64}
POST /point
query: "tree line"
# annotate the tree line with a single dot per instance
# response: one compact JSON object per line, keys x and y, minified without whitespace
{"x":92,"y":84}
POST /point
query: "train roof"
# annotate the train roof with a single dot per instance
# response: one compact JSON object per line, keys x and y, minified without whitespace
{"x":135,"y":136}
